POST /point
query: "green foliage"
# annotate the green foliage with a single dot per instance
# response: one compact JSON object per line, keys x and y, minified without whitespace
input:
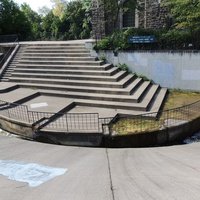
{"x":63,"y":22}
{"x":103,"y":58}
{"x":34,"y":21}
{"x":186,"y":13}
{"x":13,"y":20}
{"x":123,"y":67}
{"x":165,"y":39}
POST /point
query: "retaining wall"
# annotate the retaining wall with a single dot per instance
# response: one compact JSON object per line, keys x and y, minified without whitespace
{"x":156,"y":138}
{"x":171,"y":69}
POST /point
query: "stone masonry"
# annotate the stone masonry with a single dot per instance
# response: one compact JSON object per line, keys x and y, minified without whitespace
{"x":151,"y":15}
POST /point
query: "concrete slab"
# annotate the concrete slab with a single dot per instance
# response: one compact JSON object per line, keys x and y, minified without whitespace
{"x":150,"y":173}
{"x":103,"y":112}
{"x":87,"y":177}
{"x":53,"y":104}
{"x":6,"y":85}
{"x":156,"y":173}
{"x":16,"y":94}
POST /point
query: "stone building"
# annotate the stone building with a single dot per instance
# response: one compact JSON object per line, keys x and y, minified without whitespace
{"x":150,"y":15}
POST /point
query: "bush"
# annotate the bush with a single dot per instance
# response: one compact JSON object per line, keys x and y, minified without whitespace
{"x":166,"y":40}
{"x":123,"y":67}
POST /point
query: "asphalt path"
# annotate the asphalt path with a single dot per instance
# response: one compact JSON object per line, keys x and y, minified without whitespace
{"x":162,"y":173}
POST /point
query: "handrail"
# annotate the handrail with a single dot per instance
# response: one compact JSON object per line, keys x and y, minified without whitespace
{"x":9,"y":52}
{"x":77,"y":120}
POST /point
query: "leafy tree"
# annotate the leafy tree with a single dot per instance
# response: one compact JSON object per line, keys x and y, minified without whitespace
{"x":12,"y":20}
{"x":186,"y":13}
{"x":78,"y":18}
{"x":59,"y":7}
{"x":34,"y":20}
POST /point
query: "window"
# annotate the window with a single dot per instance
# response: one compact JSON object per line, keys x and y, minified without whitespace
{"x":129,"y":19}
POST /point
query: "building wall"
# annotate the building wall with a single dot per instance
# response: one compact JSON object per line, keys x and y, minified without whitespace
{"x":176,"y":70}
{"x":151,"y":15}
{"x":98,"y":19}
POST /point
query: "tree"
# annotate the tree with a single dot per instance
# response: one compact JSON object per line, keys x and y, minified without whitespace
{"x":12,"y":20}
{"x":34,"y":20}
{"x":186,"y":13}
{"x":78,"y":17}
{"x":59,"y":7}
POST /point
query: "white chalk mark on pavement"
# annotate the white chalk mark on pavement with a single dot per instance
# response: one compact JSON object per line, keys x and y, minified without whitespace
{"x":31,"y":173}
{"x":38,"y":105}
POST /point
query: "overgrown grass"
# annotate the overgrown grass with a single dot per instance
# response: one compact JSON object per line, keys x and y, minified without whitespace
{"x":175,"y":99}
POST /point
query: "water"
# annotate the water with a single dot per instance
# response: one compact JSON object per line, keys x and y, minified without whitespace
{"x":193,"y":139}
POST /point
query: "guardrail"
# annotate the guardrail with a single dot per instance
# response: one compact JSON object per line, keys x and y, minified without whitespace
{"x":9,"y":38}
{"x":13,"y":39}
{"x":164,"y":119}
{"x":91,"y":122}
{"x":65,"y":122}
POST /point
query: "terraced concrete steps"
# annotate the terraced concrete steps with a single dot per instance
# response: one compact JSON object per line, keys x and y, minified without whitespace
{"x":36,"y":54}
{"x":58,"y":58}
{"x":137,"y":96}
{"x":51,"y":75}
{"x":68,"y":70}
{"x":67,"y":67}
{"x":119,"y":91}
{"x":56,"y":51}
{"x":67,"y":62}
{"x":55,"y":47}
{"x":121,"y":84}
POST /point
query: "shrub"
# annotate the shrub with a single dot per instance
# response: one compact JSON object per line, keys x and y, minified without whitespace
{"x":123,"y":67}
{"x":166,"y":39}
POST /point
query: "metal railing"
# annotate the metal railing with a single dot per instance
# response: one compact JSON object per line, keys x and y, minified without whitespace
{"x":65,"y":122}
{"x":13,"y":39}
{"x":155,"y":121}
{"x":8,"y":38}
{"x":91,"y":122}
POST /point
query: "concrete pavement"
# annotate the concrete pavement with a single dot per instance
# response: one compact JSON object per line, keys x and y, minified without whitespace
{"x":166,"y":173}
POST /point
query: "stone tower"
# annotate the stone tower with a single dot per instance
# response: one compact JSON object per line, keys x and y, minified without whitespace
{"x":151,"y":15}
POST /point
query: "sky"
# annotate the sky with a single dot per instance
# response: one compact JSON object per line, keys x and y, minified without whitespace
{"x":35,"y":4}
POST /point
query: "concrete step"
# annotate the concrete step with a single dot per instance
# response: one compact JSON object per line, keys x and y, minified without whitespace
{"x":55,"y":47}
{"x":55,"y":51}
{"x":54,"y":44}
{"x":97,"y":63}
{"x":65,"y":67}
{"x":103,"y":97}
{"x":59,"y":58}
{"x":70,"y":71}
{"x":48,"y":75}
{"x":35,"y":54}
{"x":142,"y":106}
{"x":121,"y":84}
{"x":158,"y":101}
{"x":101,"y":90}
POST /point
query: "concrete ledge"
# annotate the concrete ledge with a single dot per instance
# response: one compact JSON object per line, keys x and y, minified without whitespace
{"x":17,"y":127}
{"x":156,"y":138}
{"x":71,"y":139}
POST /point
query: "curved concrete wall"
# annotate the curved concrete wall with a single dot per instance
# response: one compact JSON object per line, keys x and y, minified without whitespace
{"x":176,"y":70}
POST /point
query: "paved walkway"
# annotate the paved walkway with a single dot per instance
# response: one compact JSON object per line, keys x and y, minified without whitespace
{"x":167,"y":173}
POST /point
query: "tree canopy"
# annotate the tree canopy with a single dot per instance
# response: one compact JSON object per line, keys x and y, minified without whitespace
{"x":12,"y":19}
{"x":66,"y":20}
{"x":186,"y":13}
